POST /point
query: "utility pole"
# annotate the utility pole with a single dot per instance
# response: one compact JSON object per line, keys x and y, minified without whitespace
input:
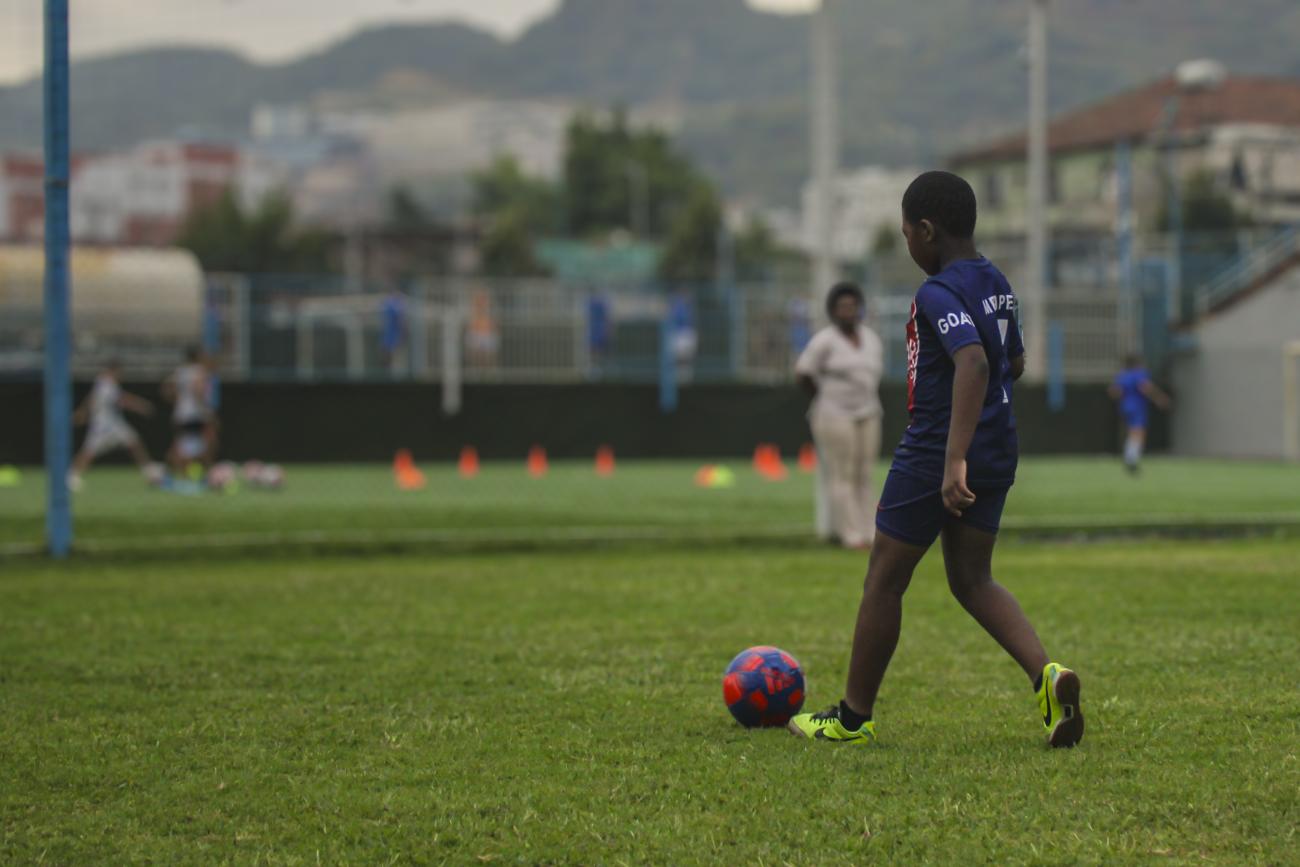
{"x":1037,"y":230}
{"x":825,"y":149}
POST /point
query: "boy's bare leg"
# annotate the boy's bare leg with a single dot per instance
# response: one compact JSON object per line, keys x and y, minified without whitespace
{"x":880,"y":617}
{"x":82,"y":461}
{"x":140,"y":455}
{"x":968,"y":558}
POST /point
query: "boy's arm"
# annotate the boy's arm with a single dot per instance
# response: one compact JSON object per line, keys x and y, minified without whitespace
{"x":1017,"y":368}
{"x":83,"y":410}
{"x":807,"y":384}
{"x":135,"y":404}
{"x":970,"y":381}
{"x":1155,"y":394}
{"x":1114,"y":391}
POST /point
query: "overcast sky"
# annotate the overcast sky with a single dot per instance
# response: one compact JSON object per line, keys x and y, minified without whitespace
{"x":266,"y":30}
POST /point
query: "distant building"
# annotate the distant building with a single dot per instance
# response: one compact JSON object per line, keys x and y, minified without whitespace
{"x":321,"y":160}
{"x":867,"y":201}
{"x":1244,"y":131}
{"x":454,"y":139}
{"x":143,"y":196}
{"x":22,"y":198}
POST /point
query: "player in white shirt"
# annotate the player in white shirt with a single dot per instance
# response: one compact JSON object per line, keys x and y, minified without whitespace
{"x":108,"y":431}
{"x":841,"y":368}
{"x":187,"y":389}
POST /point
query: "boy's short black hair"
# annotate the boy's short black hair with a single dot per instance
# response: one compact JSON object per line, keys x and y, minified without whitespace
{"x":840,"y":290}
{"x":944,"y":199}
{"x":192,"y":353}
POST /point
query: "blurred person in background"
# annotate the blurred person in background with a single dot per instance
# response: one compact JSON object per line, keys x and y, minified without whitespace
{"x":188,"y":391}
{"x":841,"y":369}
{"x":1132,"y":389}
{"x":600,"y":331}
{"x":109,"y":431}
{"x":483,"y":341}
{"x":392,"y":334}
{"x":212,"y":427}
{"x":684,"y":338}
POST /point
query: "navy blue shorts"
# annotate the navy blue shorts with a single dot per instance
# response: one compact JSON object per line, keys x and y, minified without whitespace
{"x":1135,"y":418}
{"x":911,"y":510}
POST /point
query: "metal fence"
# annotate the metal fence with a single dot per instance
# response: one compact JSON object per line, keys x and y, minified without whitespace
{"x":481,"y":331}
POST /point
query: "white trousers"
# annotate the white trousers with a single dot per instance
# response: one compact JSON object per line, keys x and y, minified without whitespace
{"x":848,"y":450}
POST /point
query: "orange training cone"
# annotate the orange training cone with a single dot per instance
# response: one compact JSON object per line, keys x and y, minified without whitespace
{"x":604,"y":461}
{"x":468,"y":462}
{"x":407,"y":476}
{"x":537,"y":464}
{"x":808,"y":458}
{"x":767,"y":461}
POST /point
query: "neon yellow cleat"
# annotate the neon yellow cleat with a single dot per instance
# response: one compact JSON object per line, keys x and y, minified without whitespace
{"x":1058,"y":702}
{"x":826,"y":726}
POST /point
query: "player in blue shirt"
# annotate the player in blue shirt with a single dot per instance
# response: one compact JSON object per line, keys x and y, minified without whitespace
{"x":1133,"y":388}
{"x":953,"y":469}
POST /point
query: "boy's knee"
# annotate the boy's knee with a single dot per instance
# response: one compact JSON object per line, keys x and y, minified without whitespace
{"x":893,"y":583}
{"x":962,"y":581}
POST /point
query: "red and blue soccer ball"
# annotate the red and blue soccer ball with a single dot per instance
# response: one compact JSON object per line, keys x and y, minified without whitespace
{"x":763,"y":687}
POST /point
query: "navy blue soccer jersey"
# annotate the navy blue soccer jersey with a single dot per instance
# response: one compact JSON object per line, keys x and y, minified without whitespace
{"x":969,"y":302}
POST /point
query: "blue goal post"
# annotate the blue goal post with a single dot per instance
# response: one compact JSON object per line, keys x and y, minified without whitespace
{"x":58,"y":375}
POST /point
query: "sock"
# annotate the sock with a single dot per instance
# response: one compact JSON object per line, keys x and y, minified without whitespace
{"x":851,"y":719}
{"x":1038,"y":685}
{"x":1132,"y":453}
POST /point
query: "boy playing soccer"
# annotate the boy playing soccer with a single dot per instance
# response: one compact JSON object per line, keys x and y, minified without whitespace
{"x":108,"y":429}
{"x":1132,"y":389}
{"x":952,"y":471}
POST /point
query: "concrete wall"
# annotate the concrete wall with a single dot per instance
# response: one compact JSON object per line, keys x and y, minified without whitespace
{"x":1229,"y":390}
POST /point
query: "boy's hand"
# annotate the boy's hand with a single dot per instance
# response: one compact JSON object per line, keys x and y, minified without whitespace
{"x":956,"y":496}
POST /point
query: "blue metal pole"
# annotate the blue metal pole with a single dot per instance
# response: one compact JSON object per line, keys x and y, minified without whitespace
{"x":1055,"y":366}
{"x":667,"y":368}
{"x":58,"y":376}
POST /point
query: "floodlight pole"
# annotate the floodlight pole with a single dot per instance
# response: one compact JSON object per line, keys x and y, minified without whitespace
{"x":1037,"y":229}
{"x":58,"y":376}
{"x":825,"y":147}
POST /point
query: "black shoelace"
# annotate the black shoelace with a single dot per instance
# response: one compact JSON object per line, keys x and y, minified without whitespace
{"x":832,"y":712}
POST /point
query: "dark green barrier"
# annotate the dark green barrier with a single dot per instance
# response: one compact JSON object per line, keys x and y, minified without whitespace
{"x":369,"y":422}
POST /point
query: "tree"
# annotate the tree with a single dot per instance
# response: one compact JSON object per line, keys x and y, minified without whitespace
{"x":507,"y":249}
{"x":691,"y":251}
{"x":405,"y":213}
{"x":1207,"y":208}
{"x":514,"y":210}
{"x":619,"y":178}
{"x":885,"y":242}
{"x":266,"y":240}
{"x":760,"y":256}
{"x":503,"y":187}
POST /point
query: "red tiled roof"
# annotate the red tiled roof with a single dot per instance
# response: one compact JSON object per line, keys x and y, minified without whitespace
{"x":1137,"y":114}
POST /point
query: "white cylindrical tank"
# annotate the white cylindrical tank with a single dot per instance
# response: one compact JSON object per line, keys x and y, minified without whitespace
{"x":141,"y":305}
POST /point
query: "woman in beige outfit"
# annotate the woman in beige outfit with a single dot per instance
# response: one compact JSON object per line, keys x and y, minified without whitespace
{"x":841,"y":369}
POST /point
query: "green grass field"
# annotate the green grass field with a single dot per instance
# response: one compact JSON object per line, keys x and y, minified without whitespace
{"x":360,"y":504}
{"x":253,"y":679}
{"x":562,"y":709}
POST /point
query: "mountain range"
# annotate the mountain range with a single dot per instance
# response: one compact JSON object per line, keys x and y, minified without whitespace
{"x":919,"y":79}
